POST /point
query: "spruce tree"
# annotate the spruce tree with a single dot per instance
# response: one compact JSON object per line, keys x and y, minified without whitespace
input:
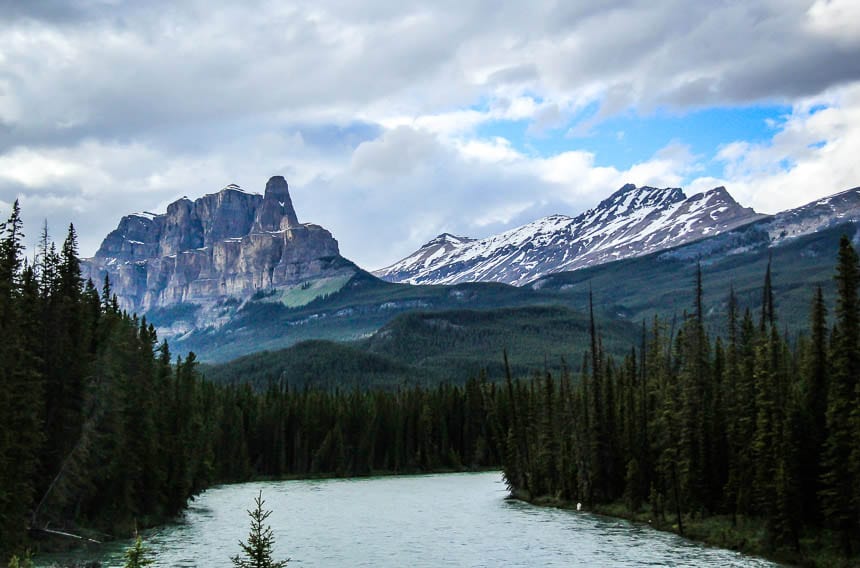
{"x":814,"y":408}
{"x":136,"y":556}
{"x":261,"y":540}
{"x":838,"y":487}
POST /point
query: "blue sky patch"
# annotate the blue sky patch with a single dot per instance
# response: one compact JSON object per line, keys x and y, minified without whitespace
{"x":627,"y":139}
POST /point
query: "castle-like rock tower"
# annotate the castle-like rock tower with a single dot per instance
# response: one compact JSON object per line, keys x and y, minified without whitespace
{"x":226,"y":244}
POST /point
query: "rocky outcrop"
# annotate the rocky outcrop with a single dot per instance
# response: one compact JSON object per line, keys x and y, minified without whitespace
{"x":226,"y":244}
{"x":276,"y":212}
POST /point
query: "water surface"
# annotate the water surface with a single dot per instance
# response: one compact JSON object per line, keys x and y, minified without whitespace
{"x":417,"y":522}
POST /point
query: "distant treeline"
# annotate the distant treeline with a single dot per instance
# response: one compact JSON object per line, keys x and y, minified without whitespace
{"x":760,"y":423}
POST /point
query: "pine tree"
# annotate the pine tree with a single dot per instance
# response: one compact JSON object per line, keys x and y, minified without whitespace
{"x":20,"y":386}
{"x":136,"y":555}
{"x":261,"y":540}
{"x":838,"y":486}
{"x":815,"y":372}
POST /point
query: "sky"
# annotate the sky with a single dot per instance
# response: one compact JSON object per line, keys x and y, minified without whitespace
{"x":394,"y":121}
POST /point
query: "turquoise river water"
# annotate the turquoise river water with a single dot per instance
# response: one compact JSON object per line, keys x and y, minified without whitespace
{"x":427,"y":521}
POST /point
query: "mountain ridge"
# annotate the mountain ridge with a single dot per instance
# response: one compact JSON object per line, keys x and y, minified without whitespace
{"x":631,"y":222}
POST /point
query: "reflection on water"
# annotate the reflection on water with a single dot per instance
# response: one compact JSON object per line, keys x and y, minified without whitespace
{"x":417,"y":521}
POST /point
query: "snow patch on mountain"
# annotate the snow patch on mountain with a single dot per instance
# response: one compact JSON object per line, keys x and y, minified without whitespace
{"x":633,"y":221}
{"x":821,"y":214}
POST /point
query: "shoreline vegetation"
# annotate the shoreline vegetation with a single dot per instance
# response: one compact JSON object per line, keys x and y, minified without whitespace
{"x":748,"y":536}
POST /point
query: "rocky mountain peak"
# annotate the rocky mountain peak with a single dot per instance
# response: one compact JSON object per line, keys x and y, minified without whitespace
{"x":630,"y":198}
{"x":446,"y":238}
{"x":718,"y":195}
{"x":277,"y":212}
{"x":632,"y":221}
{"x":225,"y":244}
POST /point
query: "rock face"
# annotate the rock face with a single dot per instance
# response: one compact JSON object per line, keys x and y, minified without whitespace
{"x":839,"y":208}
{"x":633,"y":221}
{"x":226,"y":244}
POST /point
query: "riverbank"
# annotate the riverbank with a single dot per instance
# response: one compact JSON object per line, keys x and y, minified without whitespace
{"x":818,"y":549}
{"x":91,"y":537}
{"x":420,"y":521}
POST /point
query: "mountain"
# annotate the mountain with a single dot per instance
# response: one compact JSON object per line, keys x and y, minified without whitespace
{"x":354,"y":311}
{"x":229,"y":244}
{"x":801,"y":244}
{"x":426,"y":334}
{"x":633,"y":221}
{"x":295,"y":287}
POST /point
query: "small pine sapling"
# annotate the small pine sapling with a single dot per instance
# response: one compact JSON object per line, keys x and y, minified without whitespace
{"x":261,"y":541}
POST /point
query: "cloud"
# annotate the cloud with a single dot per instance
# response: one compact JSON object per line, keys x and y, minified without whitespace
{"x":98,"y":68}
{"x":410,"y":185}
{"x":813,"y":154}
{"x":375,"y":111}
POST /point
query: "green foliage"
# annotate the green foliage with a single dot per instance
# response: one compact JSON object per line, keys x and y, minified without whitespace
{"x":99,"y":426}
{"x":136,"y":556}
{"x":23,"y":562}
{"x":90,"y":413}
{"x":261,"y":541}
{"x":841,"y":471}
{"x":640,"y":288}
{"x":429,"y":348}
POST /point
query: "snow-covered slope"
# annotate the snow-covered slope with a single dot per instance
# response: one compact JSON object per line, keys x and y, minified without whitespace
{"x":815,"y":216}
{"x":631,"y":222}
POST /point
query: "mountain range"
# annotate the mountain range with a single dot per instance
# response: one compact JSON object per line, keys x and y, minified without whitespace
{"x":234,"y":272}
{"x":633,"y":221}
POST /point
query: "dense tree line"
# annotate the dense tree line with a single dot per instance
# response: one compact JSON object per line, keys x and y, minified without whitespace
{"x":757,"y":423}
{"x":98,"y":427}
{"x":300,"y":432}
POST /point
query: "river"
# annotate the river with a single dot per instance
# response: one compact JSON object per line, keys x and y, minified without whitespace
{"x":410,"y":521}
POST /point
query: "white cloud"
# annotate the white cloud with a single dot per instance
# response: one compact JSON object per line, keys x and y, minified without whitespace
{"x":106,"y":109}
{"x":836,"y":18}
{"x":813,"y":154}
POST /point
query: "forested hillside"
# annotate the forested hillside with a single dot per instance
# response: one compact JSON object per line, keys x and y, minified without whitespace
{"x":432,"y":347}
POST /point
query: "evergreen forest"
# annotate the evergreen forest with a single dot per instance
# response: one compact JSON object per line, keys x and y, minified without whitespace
{"x":761,"y":426}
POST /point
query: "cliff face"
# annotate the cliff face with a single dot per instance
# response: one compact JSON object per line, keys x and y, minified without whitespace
{"x":225,"y":244}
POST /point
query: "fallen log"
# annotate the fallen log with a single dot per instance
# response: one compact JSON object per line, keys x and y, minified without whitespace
{"x":64,"y":534}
